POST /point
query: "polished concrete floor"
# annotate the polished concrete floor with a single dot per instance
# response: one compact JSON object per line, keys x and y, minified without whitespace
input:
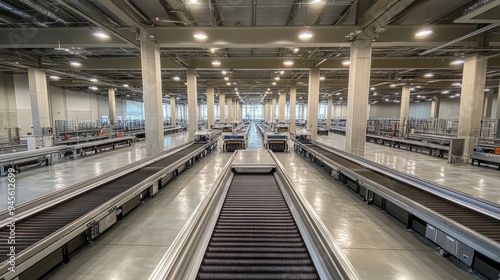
{"x":378,"y":246}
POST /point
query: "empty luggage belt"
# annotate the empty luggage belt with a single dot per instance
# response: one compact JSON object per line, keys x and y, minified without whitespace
{"x":254,"y":226}
{"x":50,"y":228}
{"x":461,"y":225}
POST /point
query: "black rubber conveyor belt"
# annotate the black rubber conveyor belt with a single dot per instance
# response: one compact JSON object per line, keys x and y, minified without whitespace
{"x":474,"y":220}
{"x":255,"y":236}
{"x":40,"y":225}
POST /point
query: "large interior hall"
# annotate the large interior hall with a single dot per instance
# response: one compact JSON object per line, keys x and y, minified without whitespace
{"x":249,"y":139}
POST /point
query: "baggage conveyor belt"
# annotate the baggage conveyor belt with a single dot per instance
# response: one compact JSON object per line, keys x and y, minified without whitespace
{"x":255,"y":236}
{"x":476,"y":221}
{"x":38,"y":226}
{"x":462,"y":226}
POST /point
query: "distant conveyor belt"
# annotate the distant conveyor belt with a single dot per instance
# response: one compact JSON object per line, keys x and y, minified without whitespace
{"x":255,"y":236}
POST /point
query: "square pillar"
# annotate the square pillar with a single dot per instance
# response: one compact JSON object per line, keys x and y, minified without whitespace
{"x":112,"y":106}
{"x":435,"y":108}
{"x":293,"y":105}
{"x":471,"y":101}
{"x":222,"y":107}
{"x":273,"y":110}
{"x":488,"y":105}
{"x":210,"y":105}
{"x":173,"y":113}
{"x":39,"y":100}
{"x":313,"y":102}
{"x":192,"y":95}
{"x":152,"y":94}
{"x":282,"y":101}
{"x":405,"y":110}
{"x":357,"y":96}
{"x":329,"y":112}
{"x":230,"y":110}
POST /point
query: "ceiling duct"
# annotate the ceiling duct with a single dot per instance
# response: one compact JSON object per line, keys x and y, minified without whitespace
{"x":43,"y":11}
{"x":475,"y":5}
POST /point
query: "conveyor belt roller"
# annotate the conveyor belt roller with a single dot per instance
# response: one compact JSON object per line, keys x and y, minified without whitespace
{"x":255,"y":236}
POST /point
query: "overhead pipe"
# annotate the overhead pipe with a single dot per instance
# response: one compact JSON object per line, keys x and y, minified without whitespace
{"x":44,"y":11}
{"x":21,"y":14}
{"x":466,"y":36}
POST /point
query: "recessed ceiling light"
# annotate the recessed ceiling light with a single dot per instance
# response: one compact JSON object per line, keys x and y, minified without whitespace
{"x":429,"y":75}
{"x":305,"y":35}
{"x":200,"y":35}
{"x":322,"y":78}
{"x":125,"y":85}
{"x":75,"y":63}
{"x":216,"y":63}
{"x":226,"y":78}
{"x":176,"y":78}
{"x":224,"y":72}
{"x":228,"y":84}
{"x":93,"y":88}
{"x":55,"y":78}
{"x":93,"y":80}
{"x":457,"y":62}
{"x":288,"y":62}
{"x":423,"y":33}
{"x":276,"y":78}
{"x":274,"y":83}
{"x":101,"y":34}
{"x":346,"y":62}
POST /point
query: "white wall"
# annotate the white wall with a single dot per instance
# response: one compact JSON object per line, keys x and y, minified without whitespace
{"x":449,"y":108}
{"x":23,"y":103}
{"x":8,"y":112}
{"x":339,"y":111}
{"x":418,"y":110}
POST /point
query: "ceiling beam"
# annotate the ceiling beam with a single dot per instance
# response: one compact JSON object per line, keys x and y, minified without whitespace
{"x":123,"y":11}
{"x":417,"y":63}
{"x":214,"y":12}
{"x":296,"y":6}
{"x":178,"y":8}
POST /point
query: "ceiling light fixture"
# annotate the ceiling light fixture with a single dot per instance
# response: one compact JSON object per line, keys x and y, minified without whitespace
{"x":224,"y":72}
{"x":322,"y":78}
{"x":282,"y":72}
{"x":486,"y":89}
{"x":456,"y":84}
{"x":101,"y":34}
{"x":393,"y":85}
{"x":429,"y":75}
{"x":193,"y":1}
{"x":304,"y":35}
{"x":176,"y":78}
{"x":93,"y":80}
{"x":423,"y":33}
{"x":457,"y":62}
{"x":200,"y":35}
{"x":93,"y":88}
{"x":276,"y":78}
{"x":268,"y":89}
{"x":216,"y":63}
{"x":288,"y":62}
{"x":228,"y":84}
{"x":372,"y":88}
{"x":75,"y":63}
{"x":226,"y":78}
{"x":212,"y":50}
{"x":125,"y":85}
{"x":346,"y":62}
{"x":445,"y":92}
{"x":274,"y":83}
{"x":55,"y":78}
{"x":296,"y":50}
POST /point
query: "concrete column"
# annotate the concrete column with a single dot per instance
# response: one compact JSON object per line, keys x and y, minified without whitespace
{"x":229,"y":110}
{"x":192,"y":95}
{"x":266,"y":110}
{"x":273,"y":110}
{"x":471,"y":102}
{"x":293,"y":105}
{"x":405,"y":110}
{"x":152,"y":94}
{"x":112,"y":105}
{"x":241,"y":112}
{"x":173,"y":112}
{"x":497,"y":115}
{"x":435,"y":108}
{"x":313,"y":102}
{"x":282,"y":101}
{"x":185,"y":110}
{"x":222,"y":107}
{"x":329,"y":107}
{"x":357,"y":96}
{"x":40,"y":111}
{"x":210,"y":105}
{"x":488,"y":105}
